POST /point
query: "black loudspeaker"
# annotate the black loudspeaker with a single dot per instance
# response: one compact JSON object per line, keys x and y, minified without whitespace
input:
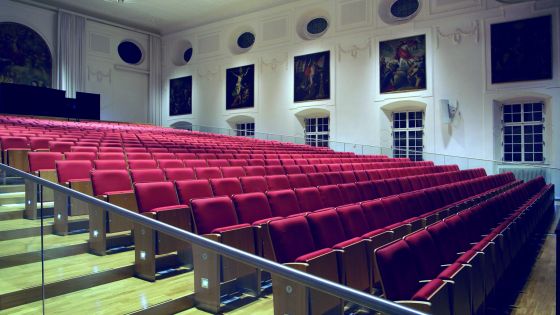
{"x":88,"y":106}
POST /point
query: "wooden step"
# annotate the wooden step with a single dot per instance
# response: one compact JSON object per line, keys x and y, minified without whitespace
{"x":11,"y":198}
{"x":127,"y":296}
{"x":16,"y":211}
{"x":27,"y":250}
{"x":23,"y":284}
{"x":11,"y":188}
{"x":21,"y":228}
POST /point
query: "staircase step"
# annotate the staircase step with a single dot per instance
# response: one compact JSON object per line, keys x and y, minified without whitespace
{"x":127,"y":296}
{"x":11,"y":198}
{"x":11,"y":188}
{"x":23,"y":284}
{"x":27,"y":250}
{"x":20,"y":228}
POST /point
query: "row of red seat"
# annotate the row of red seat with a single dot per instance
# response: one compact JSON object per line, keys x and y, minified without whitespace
{"x":72,"y":170}
{"x":398,"y":213}
{"x":223,"y":215}
{"x":107,"y":181}
{"x":41,"y":159}
{"x":255,"y":208}
{"x":66,"y":145}
{"x":487,"y":237}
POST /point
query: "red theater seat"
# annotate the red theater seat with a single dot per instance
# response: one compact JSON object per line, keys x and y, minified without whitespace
{"x":253,"y":184}
{"x":207,"y":172}
{"x":298,"y":180}
{"x":110,"y":156}
{"x":193,"y":189}
{"x":226,"y":186}
{"x":277,"y":182}
{"x":283,"y":203}
{"x":147,"y":175}
{"x":170,"y":163}
{"x":232,"y":171}
{"x":109,"y":164}
{"x":90,"y":156}
{"x":309,"y":198}
{"x":142,"y":164}
{"x":183,"y":173}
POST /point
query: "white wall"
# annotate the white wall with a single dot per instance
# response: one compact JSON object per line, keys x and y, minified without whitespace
{"x":44,"y":22}
{"x":457,"y":34}
{"x":123,"y":88}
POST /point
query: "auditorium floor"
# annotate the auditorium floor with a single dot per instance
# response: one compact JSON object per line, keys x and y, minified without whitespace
{"x":538,"y":295}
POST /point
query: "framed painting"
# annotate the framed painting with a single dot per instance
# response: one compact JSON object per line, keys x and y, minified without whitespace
{"x":312,"y":77}
{"x":25,"y":58}
{"x":180,"y":96}
{"x":240,"y":87}
{"x":402,"y":64}
{"x":521,"y":50}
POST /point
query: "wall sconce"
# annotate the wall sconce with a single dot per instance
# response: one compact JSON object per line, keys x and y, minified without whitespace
{"x":448,"y":111}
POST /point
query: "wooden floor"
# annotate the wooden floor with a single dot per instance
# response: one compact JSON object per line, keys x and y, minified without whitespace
{"x":120,"y":297}
{"x":538,"y":295}
{"x":33,"y":243}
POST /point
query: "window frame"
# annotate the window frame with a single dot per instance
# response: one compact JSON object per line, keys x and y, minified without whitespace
{"x":522,"y":125}
{"x":315,"y":134}
{"x":245,"y":129}
{"x":404,"y":132}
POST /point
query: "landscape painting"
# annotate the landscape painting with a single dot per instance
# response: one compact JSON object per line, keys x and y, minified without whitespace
{"x":402,"y":64}
{"x":522,"y":50}
{"x":312,"y":77}
{"x":180,"y":96}
{"x":240,"y":87}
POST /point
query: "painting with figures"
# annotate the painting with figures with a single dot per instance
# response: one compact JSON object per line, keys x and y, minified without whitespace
{"x":312,"y":77}
{"x":402,"y":64}
{"x":180,"y":96}
{"x":240,"y":87}
{"x":522,"y":50}
{"x":25,"y":58}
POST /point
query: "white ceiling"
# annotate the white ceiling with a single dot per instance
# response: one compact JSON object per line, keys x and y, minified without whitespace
{"x":164,"y":16}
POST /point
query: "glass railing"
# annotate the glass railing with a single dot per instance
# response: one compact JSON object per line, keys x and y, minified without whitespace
{"x":65,"y":252}
{"x":523,"y":171}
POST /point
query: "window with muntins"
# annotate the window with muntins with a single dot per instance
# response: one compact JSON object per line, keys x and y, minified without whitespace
{"x":245,"y":129}
{"x":523,"y":132}
{"x":317,"y":131}
{"x":408,"y":134}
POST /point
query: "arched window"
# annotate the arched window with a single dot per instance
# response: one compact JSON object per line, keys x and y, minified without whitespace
{"x":243,"y":125}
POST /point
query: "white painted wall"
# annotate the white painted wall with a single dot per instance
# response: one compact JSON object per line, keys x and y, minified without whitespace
{"x":456,"y":71}
{"x":44,"y":22}
{"x":123,"y":88}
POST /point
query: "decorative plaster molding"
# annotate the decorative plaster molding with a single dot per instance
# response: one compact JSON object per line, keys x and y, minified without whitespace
{"x":273,"y":63}
{"x":98,"y":75}
{"x":208,"y":73}
{"x":457,"y":36}
{"x":354,"y":49}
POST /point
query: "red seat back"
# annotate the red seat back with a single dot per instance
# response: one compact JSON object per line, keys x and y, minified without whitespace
{"x":151,"y":196}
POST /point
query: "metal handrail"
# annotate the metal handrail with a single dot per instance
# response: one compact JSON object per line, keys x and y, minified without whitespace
{"x":308,"y":280}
